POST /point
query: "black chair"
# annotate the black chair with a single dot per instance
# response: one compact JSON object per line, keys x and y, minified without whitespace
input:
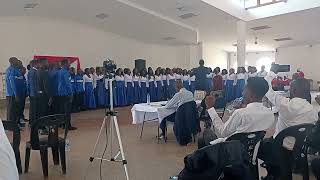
{"x":15,"y":143}
{"x":298,"y":152}
{"x":51,"y":140}
{"x":250,"y":141}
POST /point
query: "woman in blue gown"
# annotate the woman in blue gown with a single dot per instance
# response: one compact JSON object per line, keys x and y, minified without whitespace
{"x":136,"y":86}
{"x":89,"y":98}
{"x":241,"y":81}
{"x":129,"y":86}
{"x":159,"y":85}
{"x":121,"y":97}
{"x":164,"y":84}
{"x":101,"y":89}
{"x":152,"y":85}
{"x":143,"y":86}
{"x":192,"y":83}
{"x":186,"y":79}
{"x":171,"y":83}
{"x":230,"y":86}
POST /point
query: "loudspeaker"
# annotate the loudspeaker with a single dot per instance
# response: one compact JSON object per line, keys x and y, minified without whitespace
{"x":140,"y":64}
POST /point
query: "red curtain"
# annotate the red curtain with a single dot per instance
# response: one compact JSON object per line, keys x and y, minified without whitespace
{"x":52,"y":59}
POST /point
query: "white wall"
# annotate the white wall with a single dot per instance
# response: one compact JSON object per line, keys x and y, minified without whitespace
{"x":214,"y":56}
{"x":304,"y":57}
{"x":25,"y":37}
{"x":254,"y":59}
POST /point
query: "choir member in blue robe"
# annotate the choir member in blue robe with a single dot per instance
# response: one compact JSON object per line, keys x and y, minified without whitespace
{"x":72,"y":72}
{"x":192,"y":82}
{"x":152,"y":85}
{"x":241,"y":81}
{"x":159,"y":84}
{"x":100,"y":88}
{"x":120,"y":88}
{"x":164,"y":84}
{"x":224,"y":74}
{"x":186,"y":79}
{"x":143,"y":86}
{"x":230,"y":85}
{"x":89,"y":98}
{"x":209,"y":81}
{"x":128,"y":79}
{"x":171,"y":80}
{"x":136,"y":86}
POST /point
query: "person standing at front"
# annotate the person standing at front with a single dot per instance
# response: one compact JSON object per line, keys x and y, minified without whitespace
{"x":65,"y":92}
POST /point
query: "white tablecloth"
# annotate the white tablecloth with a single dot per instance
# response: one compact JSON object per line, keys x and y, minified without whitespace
{"x":153,"y":111}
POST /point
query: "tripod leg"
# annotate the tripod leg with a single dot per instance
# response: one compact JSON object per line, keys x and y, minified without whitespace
{"x":115,"y":121}
{"x":97,"y":141}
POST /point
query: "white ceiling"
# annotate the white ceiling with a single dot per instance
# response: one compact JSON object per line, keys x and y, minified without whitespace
{"x":152,"y":20}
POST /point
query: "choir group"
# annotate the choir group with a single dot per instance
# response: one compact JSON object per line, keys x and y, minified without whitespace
{"x":50,"y":85}
{"x":134,"y":87}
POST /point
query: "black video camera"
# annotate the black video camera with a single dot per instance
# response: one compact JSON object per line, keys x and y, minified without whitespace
{"x":109,"y":66}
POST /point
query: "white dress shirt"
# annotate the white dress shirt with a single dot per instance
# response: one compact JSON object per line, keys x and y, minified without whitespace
{"x":291,"y":111}
{"x":178,"y":76}
{"x":262,"y":74}
{"x":181,"y":97}
{"x":151,"y":80}
{"x":87,"y":79}
{"x":94,"y":77}
{"x":252,"y":74}
{"x":233,"y":77}
{"x":144,"y":80}
{"x":254,"y":117}
{"x":170,"y":77}
{"x":193,"y":78}
{"x":157,"y":79}
{"x":8,"y":168}
{"x":128,"y":78}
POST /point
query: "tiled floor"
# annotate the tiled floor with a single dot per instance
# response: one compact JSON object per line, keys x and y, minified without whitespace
{"x":147,"y":160}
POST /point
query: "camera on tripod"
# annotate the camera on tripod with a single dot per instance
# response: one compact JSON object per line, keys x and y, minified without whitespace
{"x":109,"y":66}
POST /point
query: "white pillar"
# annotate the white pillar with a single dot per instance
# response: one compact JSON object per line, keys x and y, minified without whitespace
{"x":241,"y":42}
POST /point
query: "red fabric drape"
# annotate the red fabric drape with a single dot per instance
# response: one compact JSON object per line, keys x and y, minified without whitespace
{"x":52,"y":59}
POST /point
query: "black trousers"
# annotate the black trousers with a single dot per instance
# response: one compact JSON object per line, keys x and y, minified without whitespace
{"x":163,"y":124}
{"x":42,"y":105}
{"x":33,"y":112}
{"x":12,"y":109}
{"x":65,"y":103}
{"x":315,"y":165}
{"x":22,"y":104}
{"x":79,"y":98}
{"x":279,"y":160}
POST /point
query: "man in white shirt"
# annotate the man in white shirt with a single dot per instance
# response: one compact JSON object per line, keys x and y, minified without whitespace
{"x":182,"y":96}
{"x":263,"y":72}
{"x":254,"y":117}
{"x":8,"y":168}
{"x":292,"y":111}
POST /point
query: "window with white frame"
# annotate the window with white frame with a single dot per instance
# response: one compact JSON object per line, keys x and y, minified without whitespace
{"x":250,"y":4}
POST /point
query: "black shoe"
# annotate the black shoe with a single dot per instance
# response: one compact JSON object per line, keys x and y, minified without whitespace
{"x":72,"y":128}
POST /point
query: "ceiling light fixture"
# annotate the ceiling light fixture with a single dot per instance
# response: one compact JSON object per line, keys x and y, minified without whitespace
{"x":30,"y":5}
{"x":283,"y":39}
{"x":102,"y":16}
{"x":259,"y":28}
{"x":169,"y":38}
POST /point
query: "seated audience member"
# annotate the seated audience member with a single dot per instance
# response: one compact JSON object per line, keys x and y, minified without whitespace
{"x":8,"y":166}
{"x":182,"y":96}
{"x":292,"y":111}
{"x":254,"y":117}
